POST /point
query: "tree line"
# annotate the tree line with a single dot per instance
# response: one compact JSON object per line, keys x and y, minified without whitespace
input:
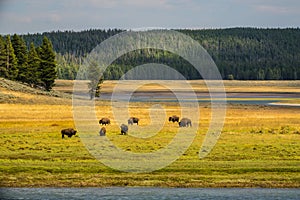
{"x":33,"y":65}
{"x":239,"y":53}
{"x":253,"y":54}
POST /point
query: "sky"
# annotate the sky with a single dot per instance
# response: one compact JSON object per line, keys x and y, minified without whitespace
{"x":38,"y":16}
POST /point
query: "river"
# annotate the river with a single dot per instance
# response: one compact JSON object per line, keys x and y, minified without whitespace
{"x":244,"y":98}
{"x":137,"y":193}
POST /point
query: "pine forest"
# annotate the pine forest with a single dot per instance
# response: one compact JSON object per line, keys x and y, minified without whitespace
{"x":239,"y":53}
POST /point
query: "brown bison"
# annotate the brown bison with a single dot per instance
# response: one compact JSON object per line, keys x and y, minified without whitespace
{"x":104,"y":121}
{"x":174,"y":118}
{"x":124,"y":129}
{"x":133,"y":120}
{"x":102,"y":131}
{"x":69,"y":132}
{"x":185,"y":122}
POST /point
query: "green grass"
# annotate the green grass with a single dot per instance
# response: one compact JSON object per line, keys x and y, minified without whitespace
{"x":246,"y":155}
{"x":259,"y":146}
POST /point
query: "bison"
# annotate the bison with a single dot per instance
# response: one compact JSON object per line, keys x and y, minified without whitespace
{"x":124,"y":129}
{"x":174,"y":118}
{"x":185,"y":122}
{"x":69,"y":132}
{"x":104,"y":121}
{"x":133,"y":120}
{"x":102,"y":131}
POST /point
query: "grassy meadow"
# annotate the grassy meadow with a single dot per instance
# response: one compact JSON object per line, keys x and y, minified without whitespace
{"x":259,"y":145}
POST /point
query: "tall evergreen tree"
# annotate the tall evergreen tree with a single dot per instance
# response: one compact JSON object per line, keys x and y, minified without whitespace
{"x":3,"y":69}
{"x":20,"y":51}
{"x":47,"y":65}
{"x":11,"y":60}
{"x":33,"y":73}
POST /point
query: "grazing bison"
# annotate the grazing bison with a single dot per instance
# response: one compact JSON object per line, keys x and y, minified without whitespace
{"x":104,"y":121}
{"x":174,"y":118}
{"x":133,"y":120}
{"x":69,"y":132}
{"x":124,"y":129}
{"x":185,"y":122}
{"x":102,"y":131}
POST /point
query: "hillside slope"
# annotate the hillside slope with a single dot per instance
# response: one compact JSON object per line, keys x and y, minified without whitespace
{"x":15,"y":92}
{"x":239,"y":53}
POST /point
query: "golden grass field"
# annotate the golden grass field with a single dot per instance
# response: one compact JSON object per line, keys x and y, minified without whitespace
{"x":259,"y":145}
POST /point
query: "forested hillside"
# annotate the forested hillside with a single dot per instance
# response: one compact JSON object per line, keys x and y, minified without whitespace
{"x":240,"y":53}
{"x":33,"y":65}
{"x":248,"y":54}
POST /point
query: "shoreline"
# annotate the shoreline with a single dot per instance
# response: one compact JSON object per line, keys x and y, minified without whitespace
{"x":285,"y":104}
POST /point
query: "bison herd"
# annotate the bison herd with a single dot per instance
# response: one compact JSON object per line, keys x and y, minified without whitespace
{"x":123,"y":127}
{"x":184,"y":122}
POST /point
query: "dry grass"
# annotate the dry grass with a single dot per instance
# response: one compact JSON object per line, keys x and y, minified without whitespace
{"x":17,"y":93}
{"x":259,"y":145}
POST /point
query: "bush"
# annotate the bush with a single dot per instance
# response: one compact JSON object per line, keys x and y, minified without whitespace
{"x":230,"y":77}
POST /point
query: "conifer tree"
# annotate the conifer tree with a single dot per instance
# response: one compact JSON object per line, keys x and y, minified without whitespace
{"x":3,"y":69}
{"x":20,"y":51}
{"x":33,"y":73}
{"x":47,"y":65}
{"x":11,"y":60}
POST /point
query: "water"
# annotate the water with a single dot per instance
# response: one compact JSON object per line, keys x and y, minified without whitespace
{"x":137,"y":193}
{"x":232,"y":98}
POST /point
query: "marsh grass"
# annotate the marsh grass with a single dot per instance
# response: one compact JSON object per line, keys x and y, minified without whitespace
{"x":259,"y":147}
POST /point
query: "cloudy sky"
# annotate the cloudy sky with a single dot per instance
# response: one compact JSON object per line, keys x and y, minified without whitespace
{"x":31,"y":16}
